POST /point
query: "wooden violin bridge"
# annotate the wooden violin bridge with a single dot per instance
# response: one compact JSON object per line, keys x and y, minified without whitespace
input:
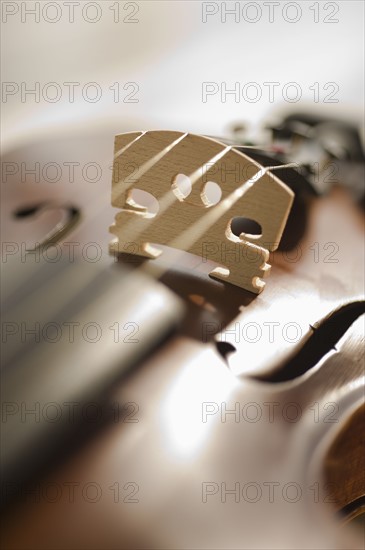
{"x":178,"y":172}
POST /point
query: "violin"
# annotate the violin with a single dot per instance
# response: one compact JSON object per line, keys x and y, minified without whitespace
{"x":155,"y":399}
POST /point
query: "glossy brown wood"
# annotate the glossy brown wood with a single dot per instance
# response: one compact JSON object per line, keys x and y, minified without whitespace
{"x":170,"y":452}
{"x":345,"y":465}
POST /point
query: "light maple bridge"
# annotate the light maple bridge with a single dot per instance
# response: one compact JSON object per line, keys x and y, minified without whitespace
{"x":177,"y":169}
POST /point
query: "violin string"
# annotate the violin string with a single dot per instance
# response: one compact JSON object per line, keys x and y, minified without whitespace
{"x":169,"y":198}
{"x":123,"y":149}
{"x":123,"y":185}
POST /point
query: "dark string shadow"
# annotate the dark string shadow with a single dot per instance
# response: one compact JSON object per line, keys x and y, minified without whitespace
{"x":210,"y":304}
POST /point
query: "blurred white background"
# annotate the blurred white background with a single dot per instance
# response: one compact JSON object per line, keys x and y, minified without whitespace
{"x":167,"y":53}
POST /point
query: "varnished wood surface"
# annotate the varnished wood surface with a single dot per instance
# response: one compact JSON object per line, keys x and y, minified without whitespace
{"x":170,"y":451}
{"x":345,"y":465}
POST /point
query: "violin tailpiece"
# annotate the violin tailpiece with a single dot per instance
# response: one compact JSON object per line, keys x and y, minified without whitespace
{"x":199,"y":185}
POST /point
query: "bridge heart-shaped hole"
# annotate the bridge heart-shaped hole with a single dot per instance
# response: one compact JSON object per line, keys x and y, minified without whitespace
{"x":181,"y":186}
{"x":211,"y":193}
